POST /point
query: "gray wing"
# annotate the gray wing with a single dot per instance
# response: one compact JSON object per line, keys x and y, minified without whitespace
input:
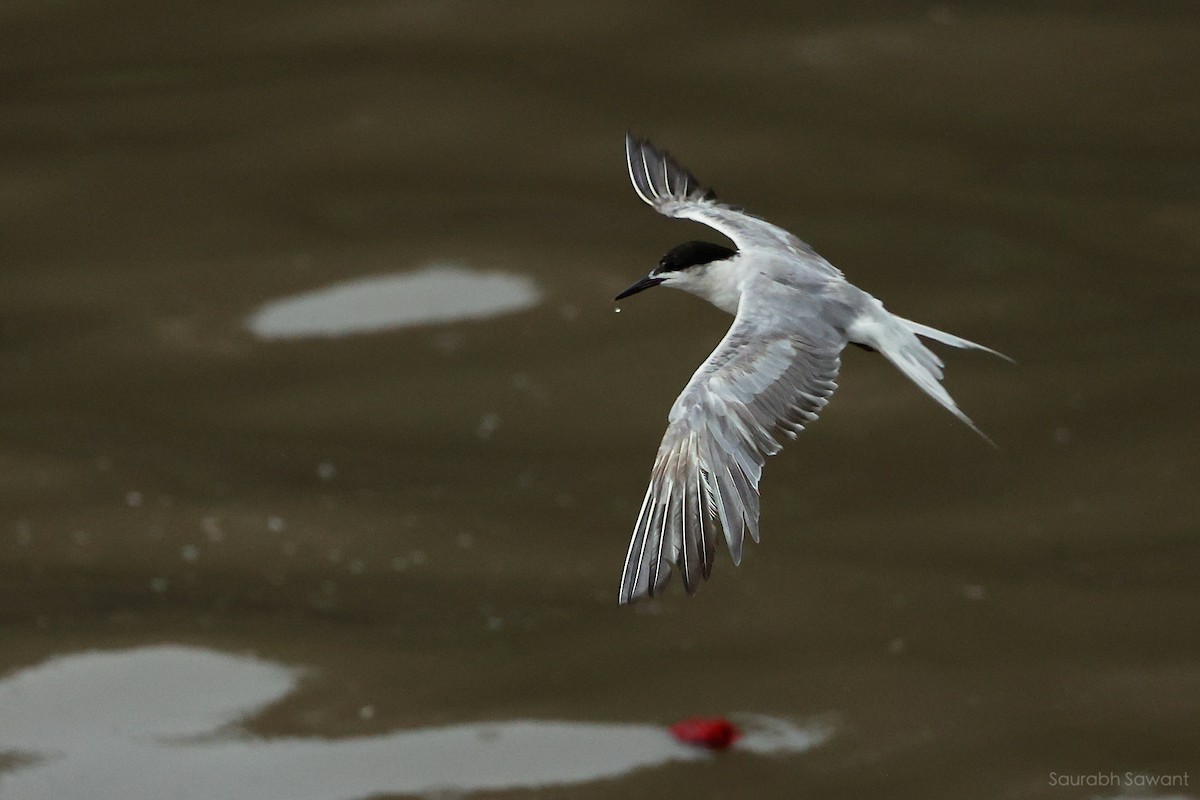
{"x":671,"y":190}
{"x":758,"y":383}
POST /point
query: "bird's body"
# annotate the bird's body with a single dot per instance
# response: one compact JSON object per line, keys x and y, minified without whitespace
{"x":774,"y":371}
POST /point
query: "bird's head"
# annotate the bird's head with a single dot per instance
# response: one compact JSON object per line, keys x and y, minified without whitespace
{"x":682,"y":266}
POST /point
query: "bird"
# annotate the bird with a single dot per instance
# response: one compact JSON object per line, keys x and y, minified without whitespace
{"x":770,"y":376}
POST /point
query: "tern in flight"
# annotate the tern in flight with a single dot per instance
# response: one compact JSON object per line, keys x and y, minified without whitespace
{"x":771,"y":375}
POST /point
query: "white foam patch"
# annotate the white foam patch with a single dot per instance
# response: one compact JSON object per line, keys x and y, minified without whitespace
{"x":434,"y":295}
{"x":164,"y":721}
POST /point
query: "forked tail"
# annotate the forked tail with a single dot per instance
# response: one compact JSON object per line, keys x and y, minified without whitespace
{"x":896,"y":338}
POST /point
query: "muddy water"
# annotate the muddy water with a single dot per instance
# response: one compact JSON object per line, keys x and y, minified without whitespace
{"x":280,"y":529}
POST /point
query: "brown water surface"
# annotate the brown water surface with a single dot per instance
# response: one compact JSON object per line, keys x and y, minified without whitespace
{"x":356,"y":556}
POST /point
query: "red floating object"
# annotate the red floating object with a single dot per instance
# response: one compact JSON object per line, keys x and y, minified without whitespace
{"x":715,"y":733}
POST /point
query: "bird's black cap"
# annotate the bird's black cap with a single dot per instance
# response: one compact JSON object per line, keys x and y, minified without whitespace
{"x":692,"y":254}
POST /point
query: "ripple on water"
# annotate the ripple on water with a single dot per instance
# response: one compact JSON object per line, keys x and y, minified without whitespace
{"x":78,"y":721}
{"x":434,"y":295}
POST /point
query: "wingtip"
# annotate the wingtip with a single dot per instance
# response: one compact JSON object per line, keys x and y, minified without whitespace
{"x":629,"y":593}
{"x":636,"y":144}
{"x":667,"y":180}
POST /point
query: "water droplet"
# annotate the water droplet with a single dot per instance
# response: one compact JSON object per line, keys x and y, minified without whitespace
{"x":212,"y":529}
{"x":488,"y":425}
{"x":448,"y":343}
{"x":974,"y":591}
{"x":133,"y":499}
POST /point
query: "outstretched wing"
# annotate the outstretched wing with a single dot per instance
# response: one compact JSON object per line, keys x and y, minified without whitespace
{"x":671,"y":190}
{"x":760,"y":381}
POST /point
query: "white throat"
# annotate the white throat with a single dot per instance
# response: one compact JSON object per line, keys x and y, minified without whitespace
{"x":719,"y":282}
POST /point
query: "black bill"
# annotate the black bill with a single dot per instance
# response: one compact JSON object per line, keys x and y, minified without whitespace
{"x":643,"y":284}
